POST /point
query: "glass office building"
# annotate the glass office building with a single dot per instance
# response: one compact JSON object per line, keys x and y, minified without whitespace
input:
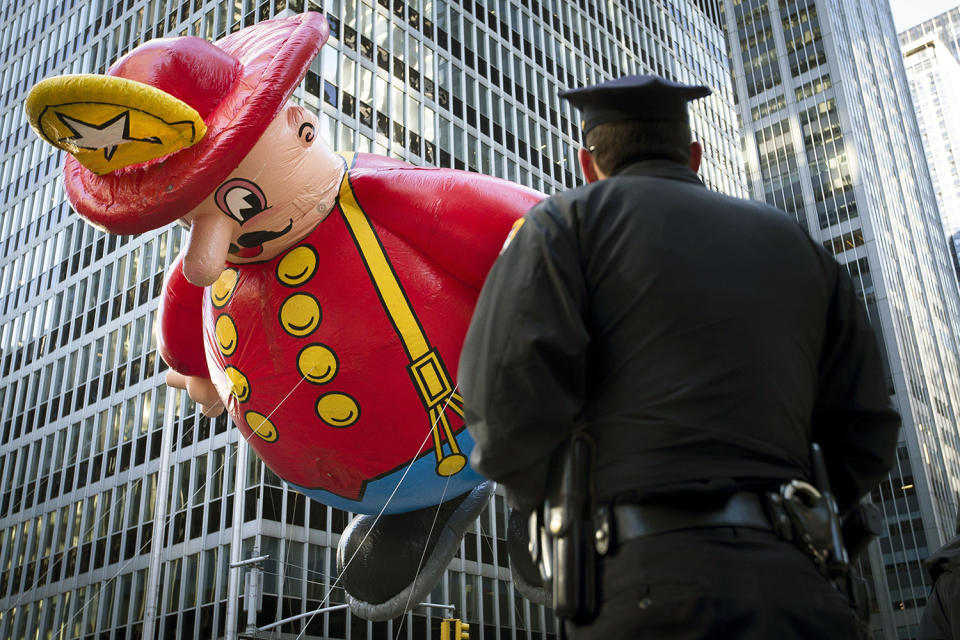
{"x":830,"y":136}
{"x":945,"y":26}
{"x":934,"y":76}
{"x":931,"y":58}
{"x":121,"y":506}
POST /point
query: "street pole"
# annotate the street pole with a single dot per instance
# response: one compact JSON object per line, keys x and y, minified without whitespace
{"x":233,"y":584}
{"x":159,"y":516}
{"x":253,"y":591}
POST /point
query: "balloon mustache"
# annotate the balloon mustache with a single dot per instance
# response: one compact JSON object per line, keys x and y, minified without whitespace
{"x":257,"y":238}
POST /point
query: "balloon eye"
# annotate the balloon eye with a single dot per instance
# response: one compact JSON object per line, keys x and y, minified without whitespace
{"x":241,"y":199}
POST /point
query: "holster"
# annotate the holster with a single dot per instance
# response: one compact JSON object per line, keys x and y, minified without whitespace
{"x":803,"y":515}
{"x":808,"y":515}
{"x":562,"y":534}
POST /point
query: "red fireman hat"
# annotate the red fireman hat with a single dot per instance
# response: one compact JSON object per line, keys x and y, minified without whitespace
{"x":171,"y":119}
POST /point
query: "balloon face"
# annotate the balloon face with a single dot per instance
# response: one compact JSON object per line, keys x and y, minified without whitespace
{"x":280,"y":191}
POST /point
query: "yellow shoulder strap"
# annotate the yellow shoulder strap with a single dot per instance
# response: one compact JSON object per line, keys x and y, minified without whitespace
{"x":426,"y":368}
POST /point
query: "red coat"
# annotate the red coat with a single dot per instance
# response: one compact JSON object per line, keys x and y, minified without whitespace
{"x":340,"y":354}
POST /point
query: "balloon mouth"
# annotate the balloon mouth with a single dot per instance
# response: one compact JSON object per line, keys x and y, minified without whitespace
{"x":246,"y":252}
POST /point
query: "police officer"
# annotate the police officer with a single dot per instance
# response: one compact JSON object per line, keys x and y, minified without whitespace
{"x":702,"y":342}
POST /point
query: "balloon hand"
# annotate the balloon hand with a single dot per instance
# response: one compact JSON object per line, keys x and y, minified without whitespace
{"x":200,"y":390}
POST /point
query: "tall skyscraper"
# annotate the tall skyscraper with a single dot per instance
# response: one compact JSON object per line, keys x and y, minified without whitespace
{"x":945,"y":26}
{"x":830,"y":136}
{"x":934,"y":76}
{"x":121,"y":506}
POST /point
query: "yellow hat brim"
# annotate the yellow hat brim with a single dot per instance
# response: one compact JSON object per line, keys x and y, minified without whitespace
{"x":108,"y":123}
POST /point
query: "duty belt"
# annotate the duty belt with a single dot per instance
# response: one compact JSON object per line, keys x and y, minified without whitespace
{"x":743,"y":509}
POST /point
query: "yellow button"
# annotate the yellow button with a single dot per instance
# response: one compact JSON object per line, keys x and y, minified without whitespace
{"x":338,"y":409}
{"x":300,"y":314}
{"x":222,"y":289}
{"x":226,"y":335}
{"x":298,"y":266}
{"x":261,"y":425}
{"x":239,"y":385}
{"x":317,"y":364}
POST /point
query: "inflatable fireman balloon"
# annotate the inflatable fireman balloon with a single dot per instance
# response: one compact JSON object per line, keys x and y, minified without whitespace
{"x":321,"y":298}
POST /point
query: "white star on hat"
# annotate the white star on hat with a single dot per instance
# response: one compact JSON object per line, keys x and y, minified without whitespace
{"x":107,"y":135}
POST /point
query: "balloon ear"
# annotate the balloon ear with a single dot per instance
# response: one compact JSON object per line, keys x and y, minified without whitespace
{"x":304,"y":123}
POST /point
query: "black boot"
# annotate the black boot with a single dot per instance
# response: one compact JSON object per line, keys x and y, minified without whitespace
{"x":378,"y":564}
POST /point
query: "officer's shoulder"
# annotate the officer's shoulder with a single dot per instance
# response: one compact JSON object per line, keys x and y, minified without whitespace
{"x":779,"y":227}
{"x":759,"y":211}
{"x":756,"y":207}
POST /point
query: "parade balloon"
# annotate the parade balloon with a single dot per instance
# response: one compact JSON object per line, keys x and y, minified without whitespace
{"x":322,"y":297}
{"x":337,"y":358}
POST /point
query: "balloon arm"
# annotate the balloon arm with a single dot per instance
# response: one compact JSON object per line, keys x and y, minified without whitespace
{"x":180,"y":324}
{"x":456,"y":218}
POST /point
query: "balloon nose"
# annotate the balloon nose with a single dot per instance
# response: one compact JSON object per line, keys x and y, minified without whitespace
{"x":205,"y":255}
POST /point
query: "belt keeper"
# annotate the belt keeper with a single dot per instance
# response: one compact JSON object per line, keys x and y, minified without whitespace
{"x":603,"y":529}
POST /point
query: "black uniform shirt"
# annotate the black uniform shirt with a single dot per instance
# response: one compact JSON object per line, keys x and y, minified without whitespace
{"x":694,"y":335}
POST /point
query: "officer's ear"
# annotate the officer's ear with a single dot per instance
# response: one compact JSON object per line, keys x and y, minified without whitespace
{"x":590,"y":171}
{"x":696,"y":155}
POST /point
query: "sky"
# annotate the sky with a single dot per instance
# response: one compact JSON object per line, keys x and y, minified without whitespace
{"x":907,"y":13}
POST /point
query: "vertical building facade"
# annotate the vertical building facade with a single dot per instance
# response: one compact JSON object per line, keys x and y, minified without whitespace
{"x":934,"y":76}
{"x":830,"y":136}
{"x":945,"y":26}
{"x":121,"y":506}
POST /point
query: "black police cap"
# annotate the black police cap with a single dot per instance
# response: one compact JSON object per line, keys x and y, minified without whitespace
{"x":633,"y":98}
